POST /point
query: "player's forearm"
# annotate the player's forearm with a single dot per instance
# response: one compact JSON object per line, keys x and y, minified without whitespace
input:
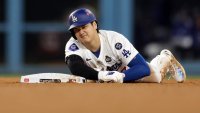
{"x":79,"y":68}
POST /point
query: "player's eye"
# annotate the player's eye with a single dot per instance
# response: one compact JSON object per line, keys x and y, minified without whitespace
{"x":85,"y":26}
{"x":76,"y":30}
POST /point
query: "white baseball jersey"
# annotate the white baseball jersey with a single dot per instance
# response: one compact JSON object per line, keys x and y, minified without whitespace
{"x":115,"y":53}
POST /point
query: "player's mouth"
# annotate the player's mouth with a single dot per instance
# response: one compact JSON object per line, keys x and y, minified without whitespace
{"x":83,"y":36}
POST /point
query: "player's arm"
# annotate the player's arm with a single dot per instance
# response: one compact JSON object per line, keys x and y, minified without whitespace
{"x":138,"y":69}
{"x":79,"y":68}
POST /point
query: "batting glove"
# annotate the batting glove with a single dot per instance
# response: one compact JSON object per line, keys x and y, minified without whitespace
{"x":111,"y":76}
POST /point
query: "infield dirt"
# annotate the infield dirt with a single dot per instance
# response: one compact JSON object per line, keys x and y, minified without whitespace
{"x":167,"y":97}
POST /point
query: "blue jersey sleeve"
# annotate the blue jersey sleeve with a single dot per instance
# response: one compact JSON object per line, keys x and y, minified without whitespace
{"x":138,"y":69}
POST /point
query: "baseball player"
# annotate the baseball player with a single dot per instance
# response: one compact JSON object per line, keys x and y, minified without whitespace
{"x":108,"y":56}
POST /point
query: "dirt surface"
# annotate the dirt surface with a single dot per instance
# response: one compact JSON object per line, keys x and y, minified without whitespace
{"x":167,"y":97}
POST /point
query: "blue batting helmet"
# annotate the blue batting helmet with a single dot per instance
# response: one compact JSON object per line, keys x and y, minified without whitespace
{"x":80,"y":17}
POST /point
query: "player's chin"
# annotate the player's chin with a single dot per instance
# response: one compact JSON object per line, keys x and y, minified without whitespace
{"x":85,"y":40}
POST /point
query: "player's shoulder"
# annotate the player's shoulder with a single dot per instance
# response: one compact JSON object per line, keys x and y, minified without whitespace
{"x":110,"y":33}
{"x":112,"y":36}
{"x":72,"y":44}
{"x":72,"y":41}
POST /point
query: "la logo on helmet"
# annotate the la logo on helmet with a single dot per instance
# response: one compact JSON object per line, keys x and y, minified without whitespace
{"x":74,"y":19}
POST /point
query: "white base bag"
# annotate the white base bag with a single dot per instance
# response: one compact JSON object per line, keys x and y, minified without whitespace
{"x":51,"y":78}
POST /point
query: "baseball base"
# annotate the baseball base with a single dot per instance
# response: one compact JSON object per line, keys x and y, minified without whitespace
{"x":51,"y":78}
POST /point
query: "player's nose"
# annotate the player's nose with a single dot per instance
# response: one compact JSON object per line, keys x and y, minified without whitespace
{"x":81,"y":31}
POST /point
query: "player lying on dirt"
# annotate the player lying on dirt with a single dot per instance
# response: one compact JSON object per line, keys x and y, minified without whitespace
{"x":106,"y":56}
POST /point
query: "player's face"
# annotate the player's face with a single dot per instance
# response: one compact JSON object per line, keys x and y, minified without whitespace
{"x":86,"y":33}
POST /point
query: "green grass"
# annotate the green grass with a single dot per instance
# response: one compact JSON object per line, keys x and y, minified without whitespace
{"x":9,"y":75}
{"x":193,"y":76}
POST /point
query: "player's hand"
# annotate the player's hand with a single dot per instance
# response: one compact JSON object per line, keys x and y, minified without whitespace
{"x":111,"y":76}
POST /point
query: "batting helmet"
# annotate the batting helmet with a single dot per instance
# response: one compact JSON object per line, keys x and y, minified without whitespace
{"x":80,"y":17}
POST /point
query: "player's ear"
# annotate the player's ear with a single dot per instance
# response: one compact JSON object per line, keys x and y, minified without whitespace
{"x":94,"y":24}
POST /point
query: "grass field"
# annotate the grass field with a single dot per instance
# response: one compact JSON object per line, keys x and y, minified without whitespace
{"x":18,"y":75}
